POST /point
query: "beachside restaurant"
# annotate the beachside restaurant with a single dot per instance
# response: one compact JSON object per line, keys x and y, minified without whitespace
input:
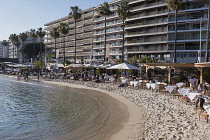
{"x":189,"y":90}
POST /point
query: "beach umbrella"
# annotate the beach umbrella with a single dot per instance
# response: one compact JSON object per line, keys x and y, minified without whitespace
{"x":124,"y":66}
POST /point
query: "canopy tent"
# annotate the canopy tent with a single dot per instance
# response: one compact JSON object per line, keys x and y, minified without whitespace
{"x":170,"y":66}
{"x":124,"y":66}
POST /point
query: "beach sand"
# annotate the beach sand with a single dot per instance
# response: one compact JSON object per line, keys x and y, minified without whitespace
{"x":126,"y":126}
{"x":151,"y":115}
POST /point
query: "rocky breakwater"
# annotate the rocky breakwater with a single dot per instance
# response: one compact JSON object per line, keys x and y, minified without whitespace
{"x":165,"y":118}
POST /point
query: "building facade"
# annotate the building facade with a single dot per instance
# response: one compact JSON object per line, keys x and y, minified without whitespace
{"x":149,"y":31}
{"x":14,"y":52}
{"x":84,"y":37}
{"x":4,"y":50}
{"x":191,"y":31}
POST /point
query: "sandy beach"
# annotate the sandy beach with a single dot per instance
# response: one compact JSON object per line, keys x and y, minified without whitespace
{"x":126,"y":127}
{"x":150,"y":115}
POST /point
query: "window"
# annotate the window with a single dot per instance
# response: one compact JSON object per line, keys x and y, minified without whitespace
{"x":192,"y":55}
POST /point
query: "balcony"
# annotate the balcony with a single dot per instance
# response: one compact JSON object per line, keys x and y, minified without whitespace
{"x":142,"y":42}
{"x":188,"y":19}
{"x":145,"y":24}
{"x":88,"y":15}
{"x":148,"y":6}
{"x":98,"y":53}
{"x":187,"y":39}
{"x":144,"y":16}
{"x":146,"y":49}
{"x":135,"y":1}
{"x":115,"y":53}
{"x":191,"y":9}
{"x":87,"y":47}
{"x":70,"y":49}
{"x":143,"y":33}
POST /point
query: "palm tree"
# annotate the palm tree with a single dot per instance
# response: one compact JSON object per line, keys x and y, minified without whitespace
{"x":40,"y":33}
{"x":4,"y":43}
{"x":33,"y":35}
{"x":54,"y":33}
{"x":75,"y":14}
{"x":13,"y":38}
{"x":123,"y":11}
{"x":176,"y":6}
{"x":64,"y":30}
{"x":22,"y":37}
{"x":17,"y":44}
{"x":104,"y":10}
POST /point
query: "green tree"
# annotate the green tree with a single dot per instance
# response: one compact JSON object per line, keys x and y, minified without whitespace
{"x":104,"y":10}
{"x":13,"y":38}
{"x":49,"y":58}
{"x":4,"y":43}
{"x":22,"y":37}
{"x":28,"y":51}
{"x":123,"y":11}
{"x":146,"y":59}
{"x":64,"y":30}
{"x":54,"y":33}
{"x":75,"y":14}
{"x":17,"y":44}
{"x":33,"y":35}
{"x":176,"y":6}
{"x":40,"y":33}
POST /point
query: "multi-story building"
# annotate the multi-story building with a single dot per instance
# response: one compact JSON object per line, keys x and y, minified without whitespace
{"x":84,"y":37}
{"x":15,"y":53}
{"x":149,"y":30}
{"x":1,"y":50}
{"x":114,"y":33}
{"x":191,"y":31}
{"x":146,"y":29}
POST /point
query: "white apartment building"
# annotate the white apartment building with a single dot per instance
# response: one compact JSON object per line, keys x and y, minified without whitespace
{"x":149,"y":30}
{"x":114,"y":34}
{"x":84,"y":37}
{"x":4,"y":51}
{"x":191,"y":31}
{"x":14,"y":52}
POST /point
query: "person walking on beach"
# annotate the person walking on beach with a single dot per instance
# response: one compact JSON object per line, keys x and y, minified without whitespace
{"x":26,"y":76}
{"x":18,"y":76}
{"x":38,"y":75}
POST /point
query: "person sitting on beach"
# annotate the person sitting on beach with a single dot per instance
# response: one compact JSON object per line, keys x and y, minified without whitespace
{"x":199,"y":103}
{"x":200,"y":87}
{"x":205,"y":91}
{"x":124,"y":82}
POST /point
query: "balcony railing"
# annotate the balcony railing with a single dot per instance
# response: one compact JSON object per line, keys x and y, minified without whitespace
{"x":146,"y":40}
{"x":194,"y":17}
{"x":98,"y":46}
{"x":98,"y":53}
{"x":71,"y":49}
{"x":146,"y":23}
{"x":150,"y":5}
{"x":146,"y":49}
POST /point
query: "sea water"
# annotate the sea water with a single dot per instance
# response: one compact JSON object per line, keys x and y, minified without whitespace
{"x":37,"y":111}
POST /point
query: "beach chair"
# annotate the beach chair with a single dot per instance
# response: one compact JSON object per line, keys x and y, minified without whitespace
{"x":203,"y":114}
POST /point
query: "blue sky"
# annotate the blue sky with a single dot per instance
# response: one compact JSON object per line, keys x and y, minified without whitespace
{"x":17,"y":16}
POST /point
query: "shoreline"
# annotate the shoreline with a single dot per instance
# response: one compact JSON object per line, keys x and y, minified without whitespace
{"x":164,"y":117}
{"x":126,"y":128}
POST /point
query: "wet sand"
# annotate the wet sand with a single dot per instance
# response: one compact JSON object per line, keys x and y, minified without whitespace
{"x":124,"y":115}
{"x":152,"y":115}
